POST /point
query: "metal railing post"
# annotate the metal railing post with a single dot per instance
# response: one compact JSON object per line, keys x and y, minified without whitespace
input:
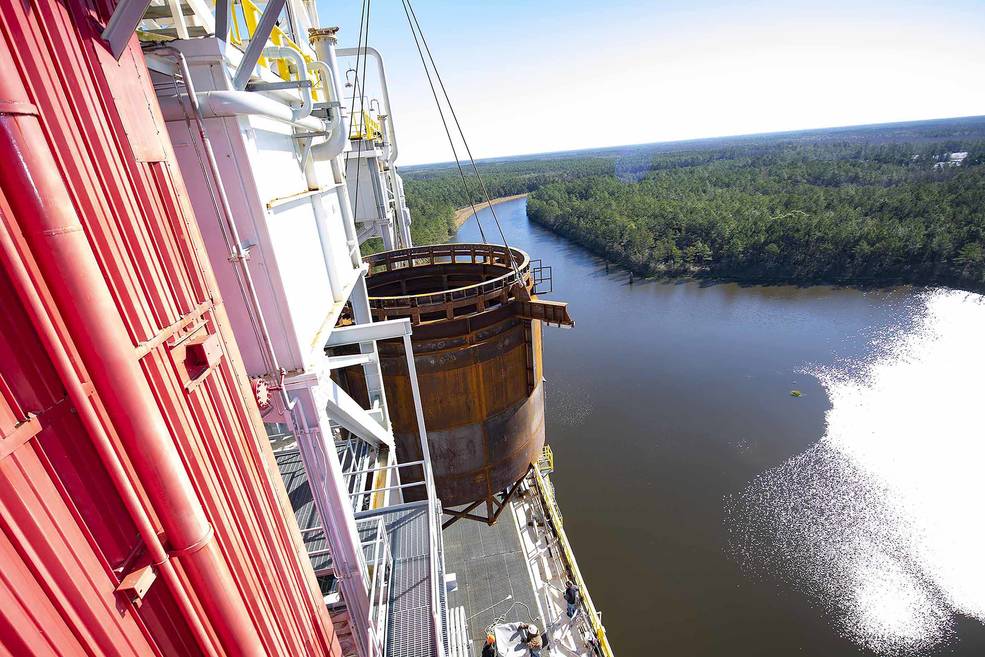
{"x":433,"y":526}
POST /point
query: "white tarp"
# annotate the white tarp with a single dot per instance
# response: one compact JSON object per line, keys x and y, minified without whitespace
{"x":509,"y":640}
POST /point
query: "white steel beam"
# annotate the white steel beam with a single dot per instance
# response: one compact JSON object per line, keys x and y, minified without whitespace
{"x":339,"y":362}
{"x":258,"y":41}
{"x":123,"y":23}
{"x":391,"y":328}
{"x":346,"y":411}
{"x":340,"y":407}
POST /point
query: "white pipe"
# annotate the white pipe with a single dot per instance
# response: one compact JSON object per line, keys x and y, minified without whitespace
{"x":358,"y":52}
{"x":283,"y":52}
{"x":323,"y":41}
{"x":217,"y":104}
{"x":327,"y":77}
{"x":331,"y":148}
{"x":339,"y":137}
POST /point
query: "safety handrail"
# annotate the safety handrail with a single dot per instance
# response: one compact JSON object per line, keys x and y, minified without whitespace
{"x":377,"y":573}
{"x":554,"y":513}
{"x":439,"y":254}
{"x":368,"y":128}
{"x":240,"y":35}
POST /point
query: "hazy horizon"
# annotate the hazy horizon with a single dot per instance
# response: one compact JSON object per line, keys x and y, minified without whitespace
{"x":613,"y":147}
{"x":576,"y":75}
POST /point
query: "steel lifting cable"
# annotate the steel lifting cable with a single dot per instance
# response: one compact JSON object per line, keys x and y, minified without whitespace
{"x":362,"y":45}
{"x":441,"y":113}
{"x":451,"y":107}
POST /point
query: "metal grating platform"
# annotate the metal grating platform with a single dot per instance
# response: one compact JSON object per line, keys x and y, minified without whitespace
{"x":408,"y":629}
{"x":296,"y":481}
{"x":409,"y":612}
{"x":493,"y":580}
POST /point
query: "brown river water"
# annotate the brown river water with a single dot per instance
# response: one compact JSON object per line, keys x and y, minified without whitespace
{"x":712,"y":512}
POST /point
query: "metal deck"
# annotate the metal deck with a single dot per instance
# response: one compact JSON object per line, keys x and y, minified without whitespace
{"x":408,"y":623}
{"x":493,"y":580}
{"x":299,"y":492}
{"x":408,"y":631}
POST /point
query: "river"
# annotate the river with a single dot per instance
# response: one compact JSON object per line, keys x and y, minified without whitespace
{"x":715,"y":513}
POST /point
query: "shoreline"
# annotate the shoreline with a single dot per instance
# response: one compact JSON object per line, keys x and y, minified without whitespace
{"x":464,"y":214}
{"x":706,"y":277}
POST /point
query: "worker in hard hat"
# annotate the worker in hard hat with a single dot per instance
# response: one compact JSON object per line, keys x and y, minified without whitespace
{"x":489,"y":650}
{"x":530,"y":636}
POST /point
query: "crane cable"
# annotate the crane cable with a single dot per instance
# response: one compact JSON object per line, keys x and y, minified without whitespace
{"x":441,"y":113}
{"x":362,"y":44}
{"x":413,"y":21}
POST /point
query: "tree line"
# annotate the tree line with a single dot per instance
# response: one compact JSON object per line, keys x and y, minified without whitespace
{"x":878,"y":204}
{"x":435,"y":192}
{"x":802,"y":213}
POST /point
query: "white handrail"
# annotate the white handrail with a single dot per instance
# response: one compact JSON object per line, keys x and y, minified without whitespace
{"x":283,"y":52}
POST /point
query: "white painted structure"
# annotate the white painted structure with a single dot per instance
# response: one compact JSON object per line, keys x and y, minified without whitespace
{"x":264,"y":161}
{"x":289,"y":170}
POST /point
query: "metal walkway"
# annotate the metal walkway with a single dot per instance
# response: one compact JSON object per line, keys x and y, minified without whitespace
{"x":493,"y":580}
{"x":299,"y":492}
{"x":409,"y":631}
{"x":408,"y":607}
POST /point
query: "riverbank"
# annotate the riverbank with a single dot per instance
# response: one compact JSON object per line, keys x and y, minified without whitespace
{"x":464,"y":214}
{"x":715,"y":272}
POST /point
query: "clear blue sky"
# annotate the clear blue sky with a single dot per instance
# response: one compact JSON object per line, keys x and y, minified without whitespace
{"x":547,"y":75}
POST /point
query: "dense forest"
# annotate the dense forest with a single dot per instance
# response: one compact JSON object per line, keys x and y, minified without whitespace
{"x":875,"y":204}
{"x":434,"y":192}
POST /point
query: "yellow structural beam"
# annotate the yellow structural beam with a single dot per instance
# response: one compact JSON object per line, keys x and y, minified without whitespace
{"x":246,"y":16}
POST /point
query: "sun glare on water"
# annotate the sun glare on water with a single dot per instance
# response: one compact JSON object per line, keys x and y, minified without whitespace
{"x":880,"y":521}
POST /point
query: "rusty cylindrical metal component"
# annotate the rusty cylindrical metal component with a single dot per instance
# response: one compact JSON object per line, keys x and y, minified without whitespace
{"x":478,"y":361}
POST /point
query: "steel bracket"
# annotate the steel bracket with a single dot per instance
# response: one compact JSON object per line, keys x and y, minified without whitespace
{"x":136,"y":583}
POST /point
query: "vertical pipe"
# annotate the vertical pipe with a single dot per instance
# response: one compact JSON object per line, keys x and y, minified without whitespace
{"x":34,"y":307}
{"x":237,"y":254}
{"x":323,"y":40}
{"x":41,"y":203}
{"x":348,"y":218}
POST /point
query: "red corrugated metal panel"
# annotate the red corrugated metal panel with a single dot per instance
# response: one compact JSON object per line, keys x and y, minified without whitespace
{"x":67,"y":536}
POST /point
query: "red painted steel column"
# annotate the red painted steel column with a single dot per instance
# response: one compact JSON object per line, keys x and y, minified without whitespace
{"x":41,"y":204}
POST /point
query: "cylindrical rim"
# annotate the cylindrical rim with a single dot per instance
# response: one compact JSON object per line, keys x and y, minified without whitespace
{"x":422,"y":257}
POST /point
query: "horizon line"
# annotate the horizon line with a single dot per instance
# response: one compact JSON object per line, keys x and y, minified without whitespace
{"x":699,"y":139}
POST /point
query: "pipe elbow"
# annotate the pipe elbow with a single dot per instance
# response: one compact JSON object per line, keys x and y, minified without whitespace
{"x":338,"y":128}
{"x":283,"y":52}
